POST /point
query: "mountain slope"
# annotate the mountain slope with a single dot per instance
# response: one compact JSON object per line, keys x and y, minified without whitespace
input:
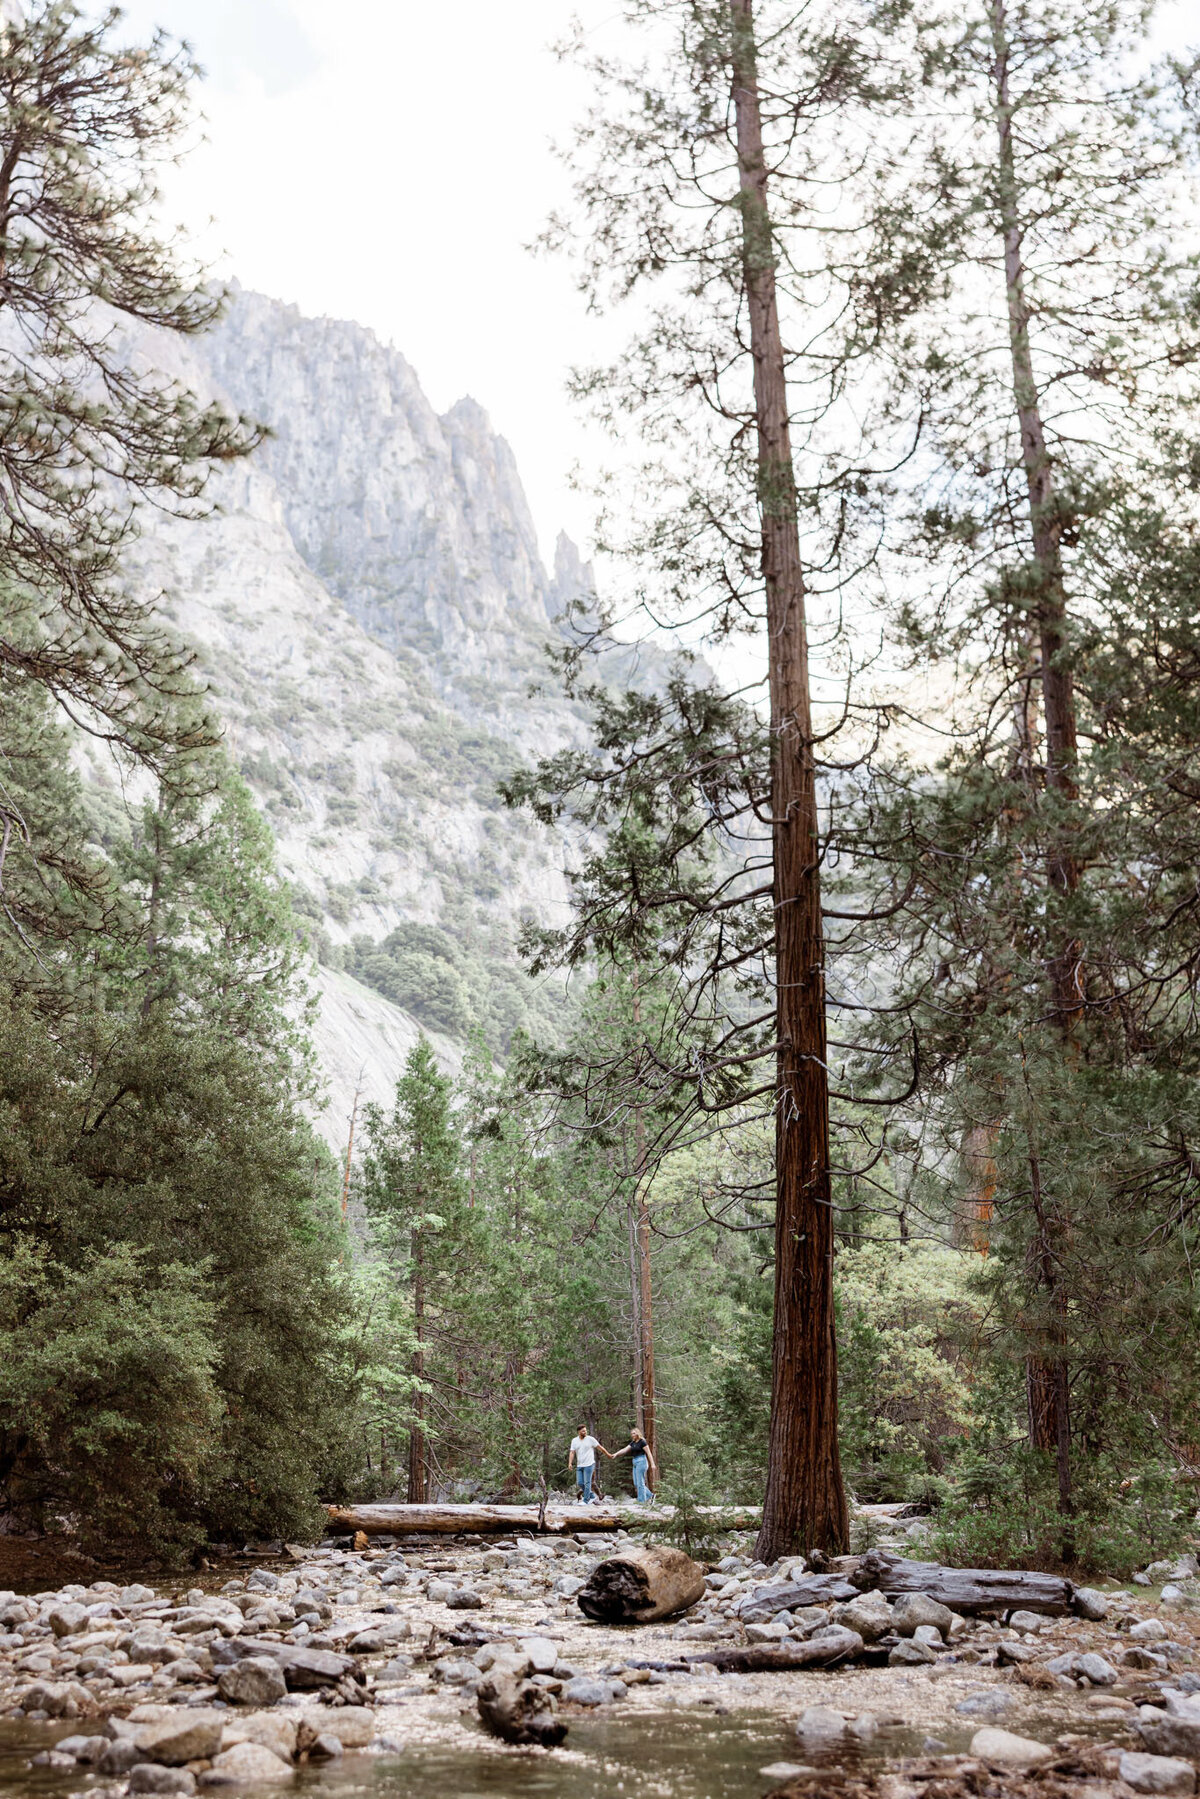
{"x":370,"y":610}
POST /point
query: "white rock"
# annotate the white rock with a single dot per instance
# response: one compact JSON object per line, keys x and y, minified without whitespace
{"x":1007,"y":1750}
{"x":247,"y":1764}
{"x":1150,"y":1630}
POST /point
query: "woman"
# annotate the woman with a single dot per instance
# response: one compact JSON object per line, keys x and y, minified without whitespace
{"x":638,"y":1451}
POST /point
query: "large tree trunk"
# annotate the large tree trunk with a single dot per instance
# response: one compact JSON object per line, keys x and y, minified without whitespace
{"x":805,"y":1504}
{"x":641,"y":1585}
{"x":1047,"y":1378}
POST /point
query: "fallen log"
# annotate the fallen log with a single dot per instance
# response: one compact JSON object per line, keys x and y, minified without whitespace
{"x":485,"y":1519}
{"x":833,"y":1645}
{"x":641,"y":1585}
{"x":518,"y":1712}
{"x":966,"y":1590}
{"x":817,"y":1589}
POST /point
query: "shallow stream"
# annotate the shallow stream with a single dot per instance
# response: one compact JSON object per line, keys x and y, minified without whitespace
{"x":660,"y":1755}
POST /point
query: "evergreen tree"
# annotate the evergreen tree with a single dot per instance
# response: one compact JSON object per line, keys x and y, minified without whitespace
{"x":411,"y":1182}
{"x":85,"y":433}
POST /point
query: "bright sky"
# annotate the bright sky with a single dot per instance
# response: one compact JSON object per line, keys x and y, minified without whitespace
{"x":388,"y":161}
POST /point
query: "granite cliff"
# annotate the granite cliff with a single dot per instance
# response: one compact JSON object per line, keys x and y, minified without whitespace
{"x":371,"y":611}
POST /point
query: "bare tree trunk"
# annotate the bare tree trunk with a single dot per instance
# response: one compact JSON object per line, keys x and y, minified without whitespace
{"x":804,"y":1506}
{"x":418,"y":1479}
{"x":642,"y":1297}
{"x":1047,"y":1377}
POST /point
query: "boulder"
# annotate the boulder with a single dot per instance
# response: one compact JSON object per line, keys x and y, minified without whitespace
{"x":172,"y":1733}
{"x":247,"y":1764}
{"x":1156,"y":1773}
{"x":912,"y":1609}
{"x":1005,"y":1750}
{"x":461,"y":1599}
{"x":353,"y":1725}
{"x":152,"y":1777}
{"x":255,"y":1680}
{"x":929,"y":1635}
{"x":1025,"y":1621}
{"x":1089,"y":1602}
{"x":325,"y":1748}
{"x":275,"y":1730}
{"x":1093,"y":1667}
{"x":1166,"y":1735}
{"x":910,"y":1654}
{"x":1149,"y":1630}
{"x":870,"y":1615}
{"x":118,"y":1758}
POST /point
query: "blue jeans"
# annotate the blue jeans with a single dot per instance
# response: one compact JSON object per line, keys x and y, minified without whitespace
{"x":639,"y":1480}
{"x":583,"y":1480}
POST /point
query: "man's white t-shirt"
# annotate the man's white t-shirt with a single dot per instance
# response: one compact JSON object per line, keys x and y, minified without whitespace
{"x":585,"y":1451}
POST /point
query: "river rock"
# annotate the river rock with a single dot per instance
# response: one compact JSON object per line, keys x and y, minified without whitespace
{"x":542,"y":1653}
{"x":818,"y":1724}
{"x":174,"y":1734}
{"x":118,"y":1758}
{"x":461,"y":1599}
{"x":774,"y":1632}
{"x":277,"y":1731}
{"x":585,"y":1690}
{"x":1093,"y":1667}
{"x":1164,"y":1734}
{"x":910,"y":1654}
{"x":1156,"y":1773}
{"x":255,"y":1680}
{"x":994,"y":1703}
{"x":353,"y":1725}
{"x":1149,"y":1630}
{"x":1026,"y":1621}
{"x":247,"y":1764}
{"x":152,"y":1777}
{"x":85,"y":1749}
{"x":1089,"y":1602}
{"x":912,"y":1609}
{"x":67,"y":1620}
{"x":1007,"y":1750}
{"x":870,"y":1615}
{"x":930,"y":1635}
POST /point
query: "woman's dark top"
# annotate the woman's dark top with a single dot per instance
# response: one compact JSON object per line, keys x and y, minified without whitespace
{"x":639,"y":1447}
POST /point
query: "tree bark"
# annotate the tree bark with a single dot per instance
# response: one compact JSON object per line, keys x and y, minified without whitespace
{"x":641,"y":1585}
{"x":804,"y":1505}
{"x":1046,"y":1376}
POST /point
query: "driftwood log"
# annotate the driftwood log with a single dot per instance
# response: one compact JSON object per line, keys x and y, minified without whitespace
{"x":817,"y":1589}
{"x":836,"y":1645}
{"x":640,"y":1586}
{"x":518,"y":1712}
{"x":966,"y":1590}
{"x":484,"y":1519}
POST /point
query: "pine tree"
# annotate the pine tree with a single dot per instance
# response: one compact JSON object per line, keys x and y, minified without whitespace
{"x":85,"y":432}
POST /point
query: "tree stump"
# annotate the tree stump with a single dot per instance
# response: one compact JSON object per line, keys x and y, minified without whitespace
{"x":640,"y":1586}
{"x":518,"y":1712}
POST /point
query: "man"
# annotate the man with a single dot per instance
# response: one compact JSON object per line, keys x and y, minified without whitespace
{"x":582,"y":1457}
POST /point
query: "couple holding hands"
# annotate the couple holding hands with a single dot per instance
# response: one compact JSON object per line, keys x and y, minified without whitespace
{"x":582,"y":1457}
